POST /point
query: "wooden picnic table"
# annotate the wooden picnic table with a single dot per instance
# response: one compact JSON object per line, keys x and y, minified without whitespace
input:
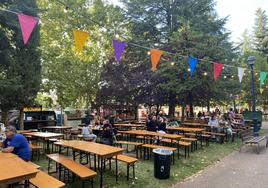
{"x":45,"y":136}
{"x":129,"y":126}
{"x":186,"y":129}
{"x":7,"y":155}
{"x":24,"y":131}
{"x":60,"y":129}
{"x":13,"y":169}
{"x":195,"y":124}
{"x":151,"y":134}
{"x":101,"y":150}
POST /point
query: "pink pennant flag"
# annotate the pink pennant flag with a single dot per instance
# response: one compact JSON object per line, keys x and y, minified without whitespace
{"x":217,"y":70}
{"x":27,"y":24}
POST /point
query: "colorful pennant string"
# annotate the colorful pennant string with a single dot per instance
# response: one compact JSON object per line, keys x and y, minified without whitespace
{"x":217,"y":70}
{"x":118,"y":49}
{"x":27,"y":24}
{"x":155,"y":58}
{"x":80,"y":38}
{"x":192,"y":63}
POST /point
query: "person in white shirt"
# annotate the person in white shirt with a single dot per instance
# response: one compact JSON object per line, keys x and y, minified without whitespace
{"x":88,"y":133}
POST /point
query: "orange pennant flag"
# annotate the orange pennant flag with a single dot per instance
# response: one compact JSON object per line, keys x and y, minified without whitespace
{"x":155,"y":57}
{"x":80,"y":38}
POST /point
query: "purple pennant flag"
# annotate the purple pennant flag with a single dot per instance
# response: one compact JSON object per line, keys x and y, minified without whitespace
{"x":118,"y":49}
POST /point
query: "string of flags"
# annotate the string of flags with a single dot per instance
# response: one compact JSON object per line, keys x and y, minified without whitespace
{"x":28,"y":23}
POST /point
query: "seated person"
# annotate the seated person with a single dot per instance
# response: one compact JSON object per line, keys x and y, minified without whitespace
{"x":16,"y":143}
{"x":226,"y":124}
{"x":88,"y":133}
{"x":162,"y":125}
{"x":152,"y":124}
{"x":213,"y":123}
{"x":107,"y":134}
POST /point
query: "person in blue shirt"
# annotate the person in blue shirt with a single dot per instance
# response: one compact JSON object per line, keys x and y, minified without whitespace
{"x":16,"y":143}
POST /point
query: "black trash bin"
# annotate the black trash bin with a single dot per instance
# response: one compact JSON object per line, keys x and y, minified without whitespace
{"x":162,"y":161}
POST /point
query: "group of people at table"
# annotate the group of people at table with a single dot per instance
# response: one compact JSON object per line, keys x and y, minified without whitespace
{"x":10,"y":141}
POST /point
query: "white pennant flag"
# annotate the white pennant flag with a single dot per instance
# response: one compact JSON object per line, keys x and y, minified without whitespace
{"x":240,"y":73}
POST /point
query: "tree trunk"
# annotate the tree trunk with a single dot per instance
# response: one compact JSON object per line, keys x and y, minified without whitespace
{"x":208,"y":105}
{"x":21,"y":123}
{"x":191,"y":105}
{"x":4,"y":117}
{"x":234,"y":105}
{"x":171,"y":104}
{"x":136,"y":113}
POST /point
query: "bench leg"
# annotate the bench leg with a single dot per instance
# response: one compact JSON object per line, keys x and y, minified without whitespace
{"x":127,"y":172}
{"x":133,"y":168}
{"x":116,"y":168}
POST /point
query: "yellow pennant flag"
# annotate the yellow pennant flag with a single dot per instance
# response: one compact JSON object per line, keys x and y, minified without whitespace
{"x":155,"y":57}
{"x":80,"y":38}
{"x":261,"y":90}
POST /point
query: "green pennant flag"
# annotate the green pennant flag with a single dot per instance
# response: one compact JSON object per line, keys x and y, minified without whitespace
{"x":262,"y":77}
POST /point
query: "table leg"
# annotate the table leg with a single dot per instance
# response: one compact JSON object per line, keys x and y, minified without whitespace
{"x":101,"y":172}
{"x":116,"y":169}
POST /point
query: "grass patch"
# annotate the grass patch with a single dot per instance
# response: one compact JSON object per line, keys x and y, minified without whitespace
{"x":182,"y":169}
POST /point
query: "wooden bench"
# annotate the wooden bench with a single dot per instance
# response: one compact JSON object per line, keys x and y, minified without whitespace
{"x":78,"y":169}
{"x":248,"y":139}
{"x":130,"y":161}
{"x":43,"y":180}
{"x":186,"y":146}
{"x":33,"y":165}
{"x":221,"y":135}
{"x":137,"y":145}
{"x":152,"y":146}
{"x":202,"y":137}
{"x":35,"y":150}
{"x":192,"y":140}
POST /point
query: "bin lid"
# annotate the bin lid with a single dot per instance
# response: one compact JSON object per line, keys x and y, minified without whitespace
{"x":162,"y":151}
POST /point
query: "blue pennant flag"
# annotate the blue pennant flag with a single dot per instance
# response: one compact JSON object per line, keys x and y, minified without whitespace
{"x":192,"y":63}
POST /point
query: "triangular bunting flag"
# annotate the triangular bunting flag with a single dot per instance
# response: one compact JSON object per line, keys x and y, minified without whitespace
{"x":80,"y":38}
{"x":217,"y":70}
{"x":118,"y":49}
{"x":192,"y":63}
{"x":27,"y":24}
{"x":262,"y":77}
{"x":261,"y":90}
{"x":240,"y":71}
{"x":155,"y":57}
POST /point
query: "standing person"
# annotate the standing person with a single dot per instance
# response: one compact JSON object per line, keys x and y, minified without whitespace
{"x":16,"y":143}
{"x":187,"y":111}
{"x":107,"y":133}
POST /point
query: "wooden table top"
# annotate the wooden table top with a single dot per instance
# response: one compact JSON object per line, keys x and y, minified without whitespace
{"x":99,"y":149}
{"x":15,"y":169}
{"x":151,"y":133}
{"x":195,"y":124}
{"x":57,"y":127}
{"x":128,"y":125}
{"x":23,"y":131}
{"x":7,"y":155}
{"x":44,"y":134}
{"x":186,"y":129}
{"x":91,"y":147}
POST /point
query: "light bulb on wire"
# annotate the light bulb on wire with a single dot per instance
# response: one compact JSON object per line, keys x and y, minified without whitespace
{"x":205,"y":73}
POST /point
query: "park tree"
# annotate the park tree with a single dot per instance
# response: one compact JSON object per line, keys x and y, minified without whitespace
{"x":261,"y":33}
{"x":74,"y":77}
{"x":20,"y":66}
{"x":182,"y":28}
